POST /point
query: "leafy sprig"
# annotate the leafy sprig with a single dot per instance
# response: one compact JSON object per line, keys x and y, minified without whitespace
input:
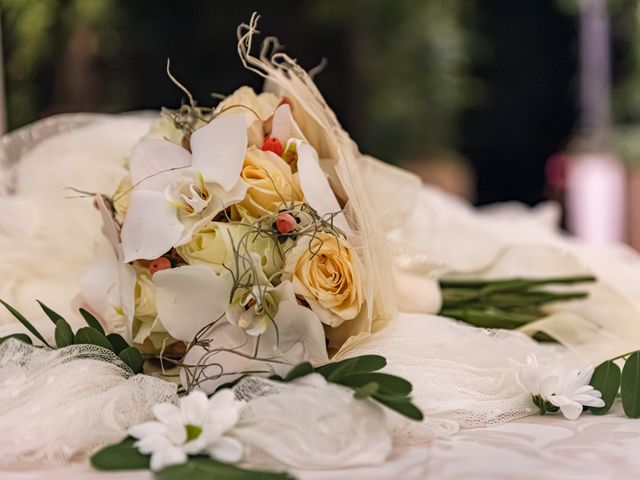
{"x":125,"y":456}
{"x":92,"y":334}
{"x":609,"y":379}
{"x":362,"y":375}
{"x":505,"y":303}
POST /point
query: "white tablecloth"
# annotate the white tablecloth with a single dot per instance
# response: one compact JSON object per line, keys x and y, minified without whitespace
{"x":533,"y":448}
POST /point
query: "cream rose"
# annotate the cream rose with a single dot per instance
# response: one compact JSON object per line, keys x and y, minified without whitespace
{"x":209,"y":246}
{"x":272,"y":186}
{"x":329,"y":275}
{"x":147,"y":330}
{"x":257,"y":109}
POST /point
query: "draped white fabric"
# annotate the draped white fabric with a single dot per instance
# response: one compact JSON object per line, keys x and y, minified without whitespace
{"x":461,"y":375}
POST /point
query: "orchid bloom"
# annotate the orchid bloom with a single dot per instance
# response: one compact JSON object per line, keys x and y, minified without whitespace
{"x":192,"y":297}
{"x":177,"y":192}
{"x":313,"y":180}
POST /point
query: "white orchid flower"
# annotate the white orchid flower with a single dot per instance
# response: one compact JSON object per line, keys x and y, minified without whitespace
{"x":199,"y":425}
{"x":556,"y":389}
{"x":313,"y":180}
{"x":189,"y":298}
{"x":177,"y":192}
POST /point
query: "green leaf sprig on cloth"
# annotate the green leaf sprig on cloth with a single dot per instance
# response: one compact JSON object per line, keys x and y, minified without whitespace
{"x":610,"y":379}
{"x":124,"y":456}
{"x":92,"y":334}
{"x":505,"y":303}
{"x":362,"y":375}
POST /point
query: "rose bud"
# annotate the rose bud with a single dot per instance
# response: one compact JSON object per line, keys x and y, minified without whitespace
{"x":161,"y":263}
{"x":286,"y":223}
{"x":272,"y":144}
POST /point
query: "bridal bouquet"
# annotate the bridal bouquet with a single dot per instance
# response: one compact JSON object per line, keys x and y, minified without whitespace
{"x":243,"y":257}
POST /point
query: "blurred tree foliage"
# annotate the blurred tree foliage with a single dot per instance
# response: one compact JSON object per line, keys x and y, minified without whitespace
{"x":399,"y":74}
{"x":412,"y":59}
{"x":67,"y":39}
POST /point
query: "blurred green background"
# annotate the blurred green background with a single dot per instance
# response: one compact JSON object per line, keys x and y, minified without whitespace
{"x":473,"y":94}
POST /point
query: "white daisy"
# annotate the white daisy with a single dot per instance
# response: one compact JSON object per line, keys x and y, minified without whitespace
{"x":554,"y":389}
{"x":198,"y":425}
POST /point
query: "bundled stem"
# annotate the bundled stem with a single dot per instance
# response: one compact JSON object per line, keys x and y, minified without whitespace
{"x":505,"y":303}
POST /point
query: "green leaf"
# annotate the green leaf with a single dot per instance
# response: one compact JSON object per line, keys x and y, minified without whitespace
{"x":630,"y":386}
{"x":88,"y":335}
{"x":27,"y":324}
{"x":389,"y":383}
{"x":91,"y":321}
{"x":23,"y":337}
{"x":361,"y":364}
{"x":121,"y":456}
{"x":366,"y":390}
{"x":132,"y":357}
{"x":202,"y":468}
{"x":54,"y":316}
{"x":118,"y":343}
{"x":405,"y":408}
{"x":63,"y":333}
{"x":606,"y":379}
{"x":298,"y":371}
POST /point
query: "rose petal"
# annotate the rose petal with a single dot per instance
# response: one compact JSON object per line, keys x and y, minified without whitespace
{"x":218,"y":149}
{"x":151,"y":227}
{"x":190,"y":297}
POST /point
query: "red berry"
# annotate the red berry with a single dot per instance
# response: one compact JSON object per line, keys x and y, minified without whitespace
{"x":158,"y":264}
{"x":272,"y":144}
{"x":286,"y":223}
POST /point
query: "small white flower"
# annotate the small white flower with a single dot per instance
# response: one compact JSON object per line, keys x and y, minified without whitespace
{"x":198,"y":425}
{"x":556,"y":389}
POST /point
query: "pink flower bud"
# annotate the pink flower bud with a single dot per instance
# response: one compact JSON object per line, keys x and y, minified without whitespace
{"x":286,"y":223}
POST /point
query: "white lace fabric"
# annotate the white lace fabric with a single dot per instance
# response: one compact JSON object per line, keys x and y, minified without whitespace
{"x":59,"y":405}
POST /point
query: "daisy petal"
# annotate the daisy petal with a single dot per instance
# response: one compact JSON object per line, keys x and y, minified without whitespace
{"x":146,"y":429}
{"x":226,"y":449}
{"x":218,"y":149}
{"x":151,"y":227}
{"x":167,"y":457}
{"x":571,"y":410}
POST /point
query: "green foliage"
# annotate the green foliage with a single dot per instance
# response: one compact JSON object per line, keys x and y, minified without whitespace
{"x":362,"y":376}
{"x":121,"y":456}
{"x":132,"y":357}
{"x":630,"y":386}
{"x":124,"y":456}
{"x":93,"y":334}
{"x":25,"y":322}
{"x":23,"y":337}
{"x":203,"y":468}
{"x":90,"y":336}
{"x":606,"y":379}
{"x":63,"y":334}
{"x":118,"y":343}
{"x":505,"y":303}
{"x":92,"y":321}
